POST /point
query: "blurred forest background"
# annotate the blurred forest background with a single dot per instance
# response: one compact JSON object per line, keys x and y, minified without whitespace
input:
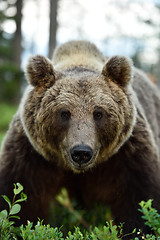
{"x":27,"y":27}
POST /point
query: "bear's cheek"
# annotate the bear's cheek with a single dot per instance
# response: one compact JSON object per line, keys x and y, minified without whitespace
{"x":53,"y":131}
{"x":108,"y":132}
{"x":45,"y":131}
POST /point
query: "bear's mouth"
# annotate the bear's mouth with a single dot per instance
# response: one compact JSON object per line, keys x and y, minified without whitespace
{"x":81,"y":167}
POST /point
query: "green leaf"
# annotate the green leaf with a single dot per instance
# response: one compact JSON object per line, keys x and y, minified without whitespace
{"x":23,"y":198}
{"x":17,"y":217}
{"x":15,"y":209}
{"x":7,"y":200}
{"x":134,"y":230}
{"x":17,"y":188}
{"x":3,"y":214}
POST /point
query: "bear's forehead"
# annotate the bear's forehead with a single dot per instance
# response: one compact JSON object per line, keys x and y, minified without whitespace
{"x":77,"y":93}
{"x":86,"y":85}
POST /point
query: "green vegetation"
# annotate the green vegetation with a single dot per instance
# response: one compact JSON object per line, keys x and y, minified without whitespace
{"x":46,"y":232}
{"x":7,"y":111}
{"x":10,"y":52}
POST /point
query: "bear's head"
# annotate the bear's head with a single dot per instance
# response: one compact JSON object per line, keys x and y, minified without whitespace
{"x":78,"y":117}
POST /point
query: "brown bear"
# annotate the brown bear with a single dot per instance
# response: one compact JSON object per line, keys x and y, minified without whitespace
{"x":90,"y":125}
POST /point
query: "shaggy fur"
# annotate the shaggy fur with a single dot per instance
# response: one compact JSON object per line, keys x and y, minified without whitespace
{"x":82,"y":99}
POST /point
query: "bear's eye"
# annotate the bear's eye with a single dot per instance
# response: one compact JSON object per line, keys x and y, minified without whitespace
{"x":97,"y":114}
{"x":65,"y":114}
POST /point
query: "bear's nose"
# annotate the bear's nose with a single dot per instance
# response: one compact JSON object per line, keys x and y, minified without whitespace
{"x":81,"y":154}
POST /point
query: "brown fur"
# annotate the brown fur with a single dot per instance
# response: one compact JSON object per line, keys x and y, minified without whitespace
{"x":40,"y":72}
{"x":84,"y":99}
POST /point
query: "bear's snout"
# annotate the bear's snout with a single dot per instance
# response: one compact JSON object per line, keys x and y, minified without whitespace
{"x":81,"y":154}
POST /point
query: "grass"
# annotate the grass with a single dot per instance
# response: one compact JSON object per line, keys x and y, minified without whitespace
{"x":7,"y":110}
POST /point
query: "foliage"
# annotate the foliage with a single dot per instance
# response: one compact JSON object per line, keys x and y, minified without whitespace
{"x":40,"y":231}
{"x":46,"y":232}
{"x":7,"y":110}
{"x":69,"y":213}
{"x":151,"y":217}
{"x":7,"y":231}
{"x":10,"y":81}
{"x":11,"y":76}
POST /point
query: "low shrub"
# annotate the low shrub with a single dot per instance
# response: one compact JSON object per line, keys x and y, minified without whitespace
{"x":41,"y":231}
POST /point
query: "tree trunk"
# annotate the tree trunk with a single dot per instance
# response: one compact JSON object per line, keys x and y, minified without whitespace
{"x":18,"y":34}
{"x":52,"y":27}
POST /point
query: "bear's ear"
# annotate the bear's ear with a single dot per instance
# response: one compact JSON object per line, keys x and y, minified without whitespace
{"x":119,"y":70}
{"x":40,"y":72}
